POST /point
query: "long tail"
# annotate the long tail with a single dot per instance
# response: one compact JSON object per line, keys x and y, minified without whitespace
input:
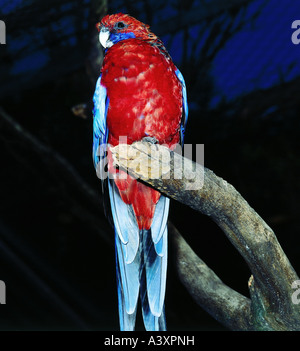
{"x":141,"y":261}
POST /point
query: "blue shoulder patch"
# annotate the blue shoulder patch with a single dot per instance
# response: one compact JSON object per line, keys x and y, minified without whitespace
{"x":100,"y":132}
{"x":184,"y":103}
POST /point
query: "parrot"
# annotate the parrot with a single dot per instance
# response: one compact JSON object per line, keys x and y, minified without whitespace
{"x":140,"y":94}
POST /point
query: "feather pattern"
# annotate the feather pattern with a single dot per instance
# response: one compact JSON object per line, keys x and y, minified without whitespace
{"x":156,"y":270}
{"x":125,"y":223}
{"x":148,"y":260}
{"x":152,"y":322}
{"x":100,"y":135}
{"x":127,"y":320}
{"x":161,"y":217}
{"x":129,"y":277}
{"x":127,"y":252}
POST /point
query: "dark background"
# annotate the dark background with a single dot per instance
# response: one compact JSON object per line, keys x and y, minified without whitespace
{"x":56,"y":248}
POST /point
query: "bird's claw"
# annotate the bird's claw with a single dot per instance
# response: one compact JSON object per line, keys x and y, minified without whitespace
{"x":151,"y":140}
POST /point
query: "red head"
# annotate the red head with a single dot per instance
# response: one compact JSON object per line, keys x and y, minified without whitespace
{"x":117,"y":27}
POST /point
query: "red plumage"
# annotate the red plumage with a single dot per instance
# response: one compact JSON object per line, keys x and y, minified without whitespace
{"x":145,"y":100}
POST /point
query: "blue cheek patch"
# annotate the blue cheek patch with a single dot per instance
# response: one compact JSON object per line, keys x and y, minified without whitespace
{"x":116,"y":37}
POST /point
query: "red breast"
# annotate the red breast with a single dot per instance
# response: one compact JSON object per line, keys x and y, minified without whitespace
{"x":145,"y":99}
{"x":144,"y":92}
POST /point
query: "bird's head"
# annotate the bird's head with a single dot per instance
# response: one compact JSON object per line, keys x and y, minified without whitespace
{"x":117,"y":27}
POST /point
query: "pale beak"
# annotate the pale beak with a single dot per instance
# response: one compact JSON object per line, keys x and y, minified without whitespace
{"x":104,"y":38}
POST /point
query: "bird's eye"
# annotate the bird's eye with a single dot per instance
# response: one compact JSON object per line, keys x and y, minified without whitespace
{"x":119,"y":25}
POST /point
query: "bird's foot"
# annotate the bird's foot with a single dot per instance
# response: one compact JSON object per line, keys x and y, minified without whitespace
{"x":151,"y":140}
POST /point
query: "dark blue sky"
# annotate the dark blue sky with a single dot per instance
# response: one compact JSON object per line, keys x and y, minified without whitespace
{"x":259,"y":56}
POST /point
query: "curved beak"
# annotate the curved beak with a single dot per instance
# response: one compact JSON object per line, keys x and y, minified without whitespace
{"x":104,"y":37}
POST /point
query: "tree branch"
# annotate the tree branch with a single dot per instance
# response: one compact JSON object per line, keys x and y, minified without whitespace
{"x":227,"y":306}
{"x":198,"y":187}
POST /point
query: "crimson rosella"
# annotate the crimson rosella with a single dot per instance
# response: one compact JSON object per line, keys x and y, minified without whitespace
{"x":140,"y":94}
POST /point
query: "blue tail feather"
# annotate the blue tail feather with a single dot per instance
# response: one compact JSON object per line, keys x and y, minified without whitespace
{"x":151,"y":322}
{"x":160,"y":218}
{"x":126,"y":319}
{"x":125,"y":223}
{"x":141,"y":260}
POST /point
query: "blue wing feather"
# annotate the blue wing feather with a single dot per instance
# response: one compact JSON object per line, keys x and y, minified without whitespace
{"x":184,"y":104}
{"x":100,"y":130}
